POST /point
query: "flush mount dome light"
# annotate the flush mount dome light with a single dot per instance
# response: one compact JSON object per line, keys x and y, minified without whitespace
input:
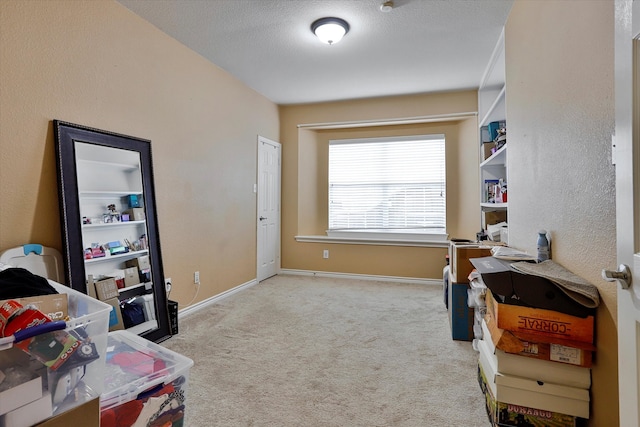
{"x":330,"y":30}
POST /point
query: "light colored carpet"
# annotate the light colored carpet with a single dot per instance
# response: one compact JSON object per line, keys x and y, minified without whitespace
{"x":320,"y":352}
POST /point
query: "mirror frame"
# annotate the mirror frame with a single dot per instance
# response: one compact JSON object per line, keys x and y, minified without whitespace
{"x":66,"y":134}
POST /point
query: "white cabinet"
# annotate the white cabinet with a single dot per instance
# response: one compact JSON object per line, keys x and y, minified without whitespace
{"x":492,"y":116}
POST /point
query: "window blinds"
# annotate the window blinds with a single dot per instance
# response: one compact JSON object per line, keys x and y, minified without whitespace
{"x":388,"y":184}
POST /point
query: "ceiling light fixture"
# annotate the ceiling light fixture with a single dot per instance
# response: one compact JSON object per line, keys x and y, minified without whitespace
{"x":386,"y":6}
{"x":330,"y":30}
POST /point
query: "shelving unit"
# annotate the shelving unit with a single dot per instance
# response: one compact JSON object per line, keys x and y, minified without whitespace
{"x":492,"y":108}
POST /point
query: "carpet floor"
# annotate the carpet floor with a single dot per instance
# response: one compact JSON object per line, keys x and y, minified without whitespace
{"x":324,"y":352}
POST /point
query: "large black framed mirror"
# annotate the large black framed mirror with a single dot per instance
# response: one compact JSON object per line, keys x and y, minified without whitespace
{"x":111,"y":243}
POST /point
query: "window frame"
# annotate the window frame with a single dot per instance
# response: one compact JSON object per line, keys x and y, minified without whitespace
{"x":391,"y":234}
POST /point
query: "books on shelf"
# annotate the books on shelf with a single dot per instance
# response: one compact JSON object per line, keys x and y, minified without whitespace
{"x":494,"y":191}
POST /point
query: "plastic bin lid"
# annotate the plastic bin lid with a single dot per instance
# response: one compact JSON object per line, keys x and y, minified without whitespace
{"x":135,"y":365}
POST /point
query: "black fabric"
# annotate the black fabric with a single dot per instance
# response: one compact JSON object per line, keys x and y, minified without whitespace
{"x":19,"y":283}
{"x":511,"y":287}
{"x":132,"y":314}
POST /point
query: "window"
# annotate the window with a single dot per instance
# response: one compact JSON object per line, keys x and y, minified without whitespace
{"x":387,"y":185}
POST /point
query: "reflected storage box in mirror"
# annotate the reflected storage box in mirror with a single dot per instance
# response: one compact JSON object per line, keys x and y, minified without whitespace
{"x":144,"y":383}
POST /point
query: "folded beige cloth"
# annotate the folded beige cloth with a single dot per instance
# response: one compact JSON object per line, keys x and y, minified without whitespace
{"x":574,"y":286}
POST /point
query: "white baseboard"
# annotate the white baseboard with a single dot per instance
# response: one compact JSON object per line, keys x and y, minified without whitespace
{"x":216,"y":298}
{"x":418,"y":280}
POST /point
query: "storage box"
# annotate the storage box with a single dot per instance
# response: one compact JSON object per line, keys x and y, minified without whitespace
{"x":135,"y":214}
{"x":487,"y":149}
{"x":75,"y":381}
{"x":459,"y":254}
{"x":493,"y":129}
{"x":140,"y":370}
{"x":531,"y":393}
{"x":133,"y":201}
{"x":131,"y":276}
{"x":141,"y":263}
{"x":505,"y":414}
{"x":115,"y":315}
{"x":88,"y":412}
{"x":460,"y":314}
{"x":29,"y":414}
{"x":554,"y":350}
{"x":541,"y":322}
{"x":527,"y":290}
{"x":53,"y":305}
{"x":493,"y":217}
{"x":536,"y":369}
{"x":106,"y":289}
{"x":24,"y":393}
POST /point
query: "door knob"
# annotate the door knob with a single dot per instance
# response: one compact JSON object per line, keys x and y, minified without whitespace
{"x":262,"y":218}
{"x":623,"y":275}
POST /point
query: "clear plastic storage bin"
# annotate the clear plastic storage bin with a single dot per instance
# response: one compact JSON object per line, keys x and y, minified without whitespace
{"x":78,"y":378}
{"x":144,"y":383}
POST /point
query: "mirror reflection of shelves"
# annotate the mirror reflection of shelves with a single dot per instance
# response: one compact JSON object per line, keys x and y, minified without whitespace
{"x":145,"y":285}
{"x":114,"y":233}
{"x":124,"y":167}
{"x":113,"y":224}
{"x":99,"y":194}
{"x":119,"y":258}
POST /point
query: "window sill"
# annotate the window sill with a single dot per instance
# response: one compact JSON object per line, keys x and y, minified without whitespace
{"x":384,"y":241}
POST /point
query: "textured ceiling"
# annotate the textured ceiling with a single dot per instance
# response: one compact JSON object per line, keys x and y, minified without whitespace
{"x":420,"y":46}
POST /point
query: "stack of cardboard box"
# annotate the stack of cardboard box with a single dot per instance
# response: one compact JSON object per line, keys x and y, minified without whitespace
{"x":461,"y":316}
{"x":534,"y":363}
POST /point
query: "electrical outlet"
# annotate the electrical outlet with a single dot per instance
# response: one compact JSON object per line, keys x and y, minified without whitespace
{"x":167,"y":284}
{"x":196,"y":277}
{"x":325,"y":254}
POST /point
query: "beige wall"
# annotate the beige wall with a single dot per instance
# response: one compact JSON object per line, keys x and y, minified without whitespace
{"x":560,"y":117}
{"x":304,"y":186}
{"x":97,"y":64}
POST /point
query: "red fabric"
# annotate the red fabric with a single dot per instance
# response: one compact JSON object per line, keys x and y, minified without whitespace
{"x":138,"y":363}
{"x":108,"y":418}
{"x":121,"y":416}
{"x":164,"y":390}
{"x":128,"y":413}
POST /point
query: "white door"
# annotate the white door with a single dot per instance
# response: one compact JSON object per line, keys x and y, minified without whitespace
{"x":268,"y":208}
{"x":626,"y":155}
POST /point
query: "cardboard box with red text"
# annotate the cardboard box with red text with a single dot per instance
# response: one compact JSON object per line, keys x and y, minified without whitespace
{"x":541,"y":322}
{"x":538,"y":346}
